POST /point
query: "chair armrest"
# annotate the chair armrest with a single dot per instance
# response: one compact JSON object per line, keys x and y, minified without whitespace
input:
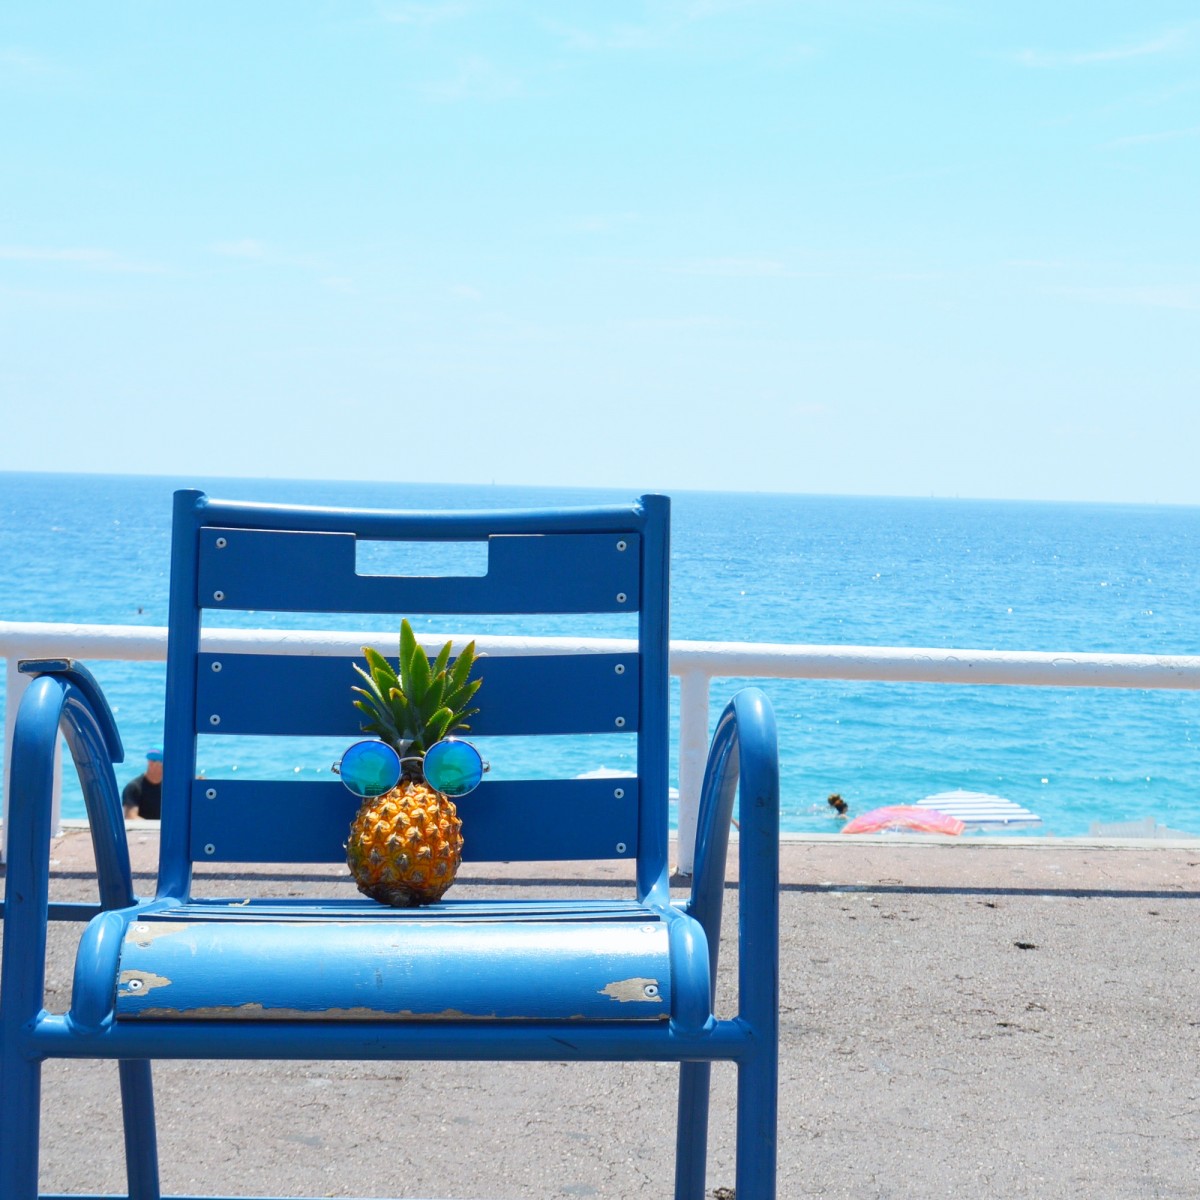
{"x":65,"y":696}
{"x":743,"y":758}
{"x":74,"y":672}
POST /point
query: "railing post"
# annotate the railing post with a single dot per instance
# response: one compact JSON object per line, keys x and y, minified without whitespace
{"x":693,"y":753}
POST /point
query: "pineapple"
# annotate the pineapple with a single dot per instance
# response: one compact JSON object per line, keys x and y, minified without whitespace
{"x":406,"y":845}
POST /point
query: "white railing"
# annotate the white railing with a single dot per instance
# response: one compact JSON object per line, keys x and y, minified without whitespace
{"x":695,"y":663}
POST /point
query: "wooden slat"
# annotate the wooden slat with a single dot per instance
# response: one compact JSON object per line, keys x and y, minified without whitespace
{"x":272,"y":571}
{"x":303,"y":696}
{"x":503,"y":820}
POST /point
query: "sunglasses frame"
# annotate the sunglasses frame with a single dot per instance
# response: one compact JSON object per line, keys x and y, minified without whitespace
{"x":483,"y":768}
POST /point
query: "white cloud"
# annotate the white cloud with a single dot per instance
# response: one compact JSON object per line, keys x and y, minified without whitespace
{"x":19,"y":65}
{"x":680,"y":324}
{"x":250,"y":249}
{"x":1178,"y":296}
{"x":737,"y":268}
{"x":603,"y":222}
{"x":1036,"y":264}
{"x":809,"y":408}
{"x":1171,"y":40}
{"x":89,"y":258}
{"x":241,"y":248}
{"x":1166,"y":135}
{"x":617,"y":37}
{"x":666,"y":24}
{"x":423,"y":12}
{"x":700,"y":10}
{"x":477,"y":78}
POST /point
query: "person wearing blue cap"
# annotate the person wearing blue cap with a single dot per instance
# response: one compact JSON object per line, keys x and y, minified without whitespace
{"x":142,"y":796}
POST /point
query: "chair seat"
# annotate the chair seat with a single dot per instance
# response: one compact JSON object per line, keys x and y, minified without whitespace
{"x":265,"y":961}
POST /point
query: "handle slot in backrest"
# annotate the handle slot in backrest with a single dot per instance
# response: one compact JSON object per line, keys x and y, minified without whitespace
{"x":420,"y":560}
{"x":272,"y":571}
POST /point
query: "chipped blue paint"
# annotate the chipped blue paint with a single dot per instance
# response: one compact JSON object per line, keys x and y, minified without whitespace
{"x":403,"y":969}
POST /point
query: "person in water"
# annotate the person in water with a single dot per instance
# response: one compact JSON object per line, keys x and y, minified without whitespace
{"x":142,"y":796}
{"x":839,"y":806}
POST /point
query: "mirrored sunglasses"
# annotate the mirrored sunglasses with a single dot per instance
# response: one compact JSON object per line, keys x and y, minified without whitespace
{"x":371,"y":768}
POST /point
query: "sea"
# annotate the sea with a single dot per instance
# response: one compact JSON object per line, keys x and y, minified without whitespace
{"x":756,"y":567}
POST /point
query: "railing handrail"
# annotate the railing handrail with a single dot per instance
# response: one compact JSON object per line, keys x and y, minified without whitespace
{"x":779,"y":660}
{"x":695,"y":663}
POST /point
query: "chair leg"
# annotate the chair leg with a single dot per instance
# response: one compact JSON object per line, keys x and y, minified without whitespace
{"x":141,"y":1137}
{"x":757,"y":1126}
{"x":691,"y":1132}
{"x":20,"y":1127}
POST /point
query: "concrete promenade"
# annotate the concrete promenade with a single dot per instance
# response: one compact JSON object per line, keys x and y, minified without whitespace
{"x":958,"y":1020}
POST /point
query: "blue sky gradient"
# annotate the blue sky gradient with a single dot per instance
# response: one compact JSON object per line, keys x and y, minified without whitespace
{"x":882,"y":248}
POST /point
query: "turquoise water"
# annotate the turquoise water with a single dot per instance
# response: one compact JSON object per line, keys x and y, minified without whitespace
{"x":771,"y":568}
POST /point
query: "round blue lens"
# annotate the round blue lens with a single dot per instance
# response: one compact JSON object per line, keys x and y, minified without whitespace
{"x":370,"y":768}
{"x":453,"y":767}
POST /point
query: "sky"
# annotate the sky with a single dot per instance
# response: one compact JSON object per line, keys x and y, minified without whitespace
{"x":869,"y":247}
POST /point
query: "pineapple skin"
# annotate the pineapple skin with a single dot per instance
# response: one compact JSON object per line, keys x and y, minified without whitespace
{"x":405,"y":847}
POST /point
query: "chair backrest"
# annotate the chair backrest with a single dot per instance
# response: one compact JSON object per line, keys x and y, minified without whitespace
{"x":273,"y":559}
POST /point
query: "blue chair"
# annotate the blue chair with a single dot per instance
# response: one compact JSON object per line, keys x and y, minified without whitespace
{"x":542,"y":979}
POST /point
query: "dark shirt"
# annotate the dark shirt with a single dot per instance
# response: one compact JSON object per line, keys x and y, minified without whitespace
{"x":145,"y":796}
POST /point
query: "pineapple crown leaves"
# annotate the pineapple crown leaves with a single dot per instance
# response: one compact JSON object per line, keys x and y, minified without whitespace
{"x":420,"y":704}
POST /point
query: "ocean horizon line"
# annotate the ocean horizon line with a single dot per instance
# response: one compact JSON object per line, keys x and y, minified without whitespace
{"x":181,"y":478}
